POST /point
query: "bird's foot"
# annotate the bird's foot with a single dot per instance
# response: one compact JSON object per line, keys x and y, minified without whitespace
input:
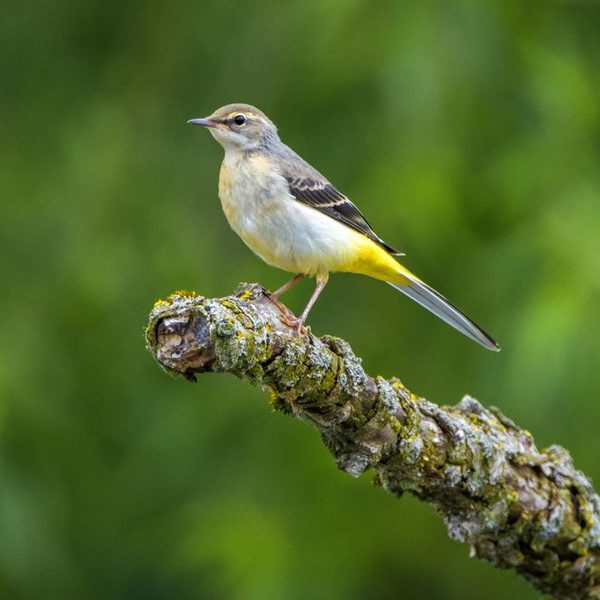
{"x":281,"y":306}
{"x":295,"y":322}
{"x":287,"y":316}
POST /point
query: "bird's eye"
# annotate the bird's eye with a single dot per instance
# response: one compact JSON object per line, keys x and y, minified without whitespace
{"x":239,"y":119}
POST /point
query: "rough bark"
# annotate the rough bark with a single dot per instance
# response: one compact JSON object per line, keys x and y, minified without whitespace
{"x":515,"y":506}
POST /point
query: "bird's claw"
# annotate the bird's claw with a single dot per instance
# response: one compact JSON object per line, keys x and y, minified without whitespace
{"x":287,"y":317}
{"x":280,"y":305}
{"x":294,"y":322}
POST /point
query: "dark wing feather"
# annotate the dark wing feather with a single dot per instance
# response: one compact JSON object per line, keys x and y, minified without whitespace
{"x":327,"y":199}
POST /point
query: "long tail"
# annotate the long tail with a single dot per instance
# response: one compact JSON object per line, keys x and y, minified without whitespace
{"x":375,"y":262}
{"x":436,"y":303}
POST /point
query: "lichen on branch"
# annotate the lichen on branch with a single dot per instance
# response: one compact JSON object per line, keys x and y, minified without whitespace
{"x":514,"y":505}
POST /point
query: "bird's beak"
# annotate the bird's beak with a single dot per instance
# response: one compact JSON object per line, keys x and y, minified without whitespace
{"x":203,"y":122}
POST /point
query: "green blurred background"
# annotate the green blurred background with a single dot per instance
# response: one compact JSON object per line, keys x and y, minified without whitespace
{"x":469,"y":134}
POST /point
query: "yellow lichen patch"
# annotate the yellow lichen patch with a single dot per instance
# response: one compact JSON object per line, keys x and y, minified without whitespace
{"x":246,"y":295}
{"x":229,"y":304}
{"x":183,"y":294}
{"x":160,"y":304}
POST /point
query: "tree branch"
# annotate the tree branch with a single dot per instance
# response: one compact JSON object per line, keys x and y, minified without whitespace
{"x":515,"y":506}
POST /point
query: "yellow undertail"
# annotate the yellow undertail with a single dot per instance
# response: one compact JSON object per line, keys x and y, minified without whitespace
{"x":374,"y":261}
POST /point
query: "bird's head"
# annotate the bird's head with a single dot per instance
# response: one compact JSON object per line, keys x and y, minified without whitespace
{"x":239,"y":127}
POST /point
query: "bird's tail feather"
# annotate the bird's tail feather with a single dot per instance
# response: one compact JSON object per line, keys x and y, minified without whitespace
{"x":428,"y":298}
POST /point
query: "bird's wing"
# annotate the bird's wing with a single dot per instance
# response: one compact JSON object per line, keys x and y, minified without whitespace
{"x":327,"y":199}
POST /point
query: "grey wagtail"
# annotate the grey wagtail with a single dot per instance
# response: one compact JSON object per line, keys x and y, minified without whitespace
{"x":287,"y":213}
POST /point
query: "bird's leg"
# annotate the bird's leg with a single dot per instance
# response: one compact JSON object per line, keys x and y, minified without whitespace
{"x":282,"y":290}
{"x":299,"y":322}
{"x":286,"y":286}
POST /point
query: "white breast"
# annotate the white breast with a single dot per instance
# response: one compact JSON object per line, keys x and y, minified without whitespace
{"x":281,"y":230}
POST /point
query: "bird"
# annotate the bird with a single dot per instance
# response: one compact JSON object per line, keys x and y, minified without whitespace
{"x":294,"y":219}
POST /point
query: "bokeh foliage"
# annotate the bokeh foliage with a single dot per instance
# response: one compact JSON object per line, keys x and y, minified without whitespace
{"x":469,"y":134}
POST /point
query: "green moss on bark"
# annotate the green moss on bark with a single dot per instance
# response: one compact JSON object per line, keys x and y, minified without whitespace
{"x":515,"y":506}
